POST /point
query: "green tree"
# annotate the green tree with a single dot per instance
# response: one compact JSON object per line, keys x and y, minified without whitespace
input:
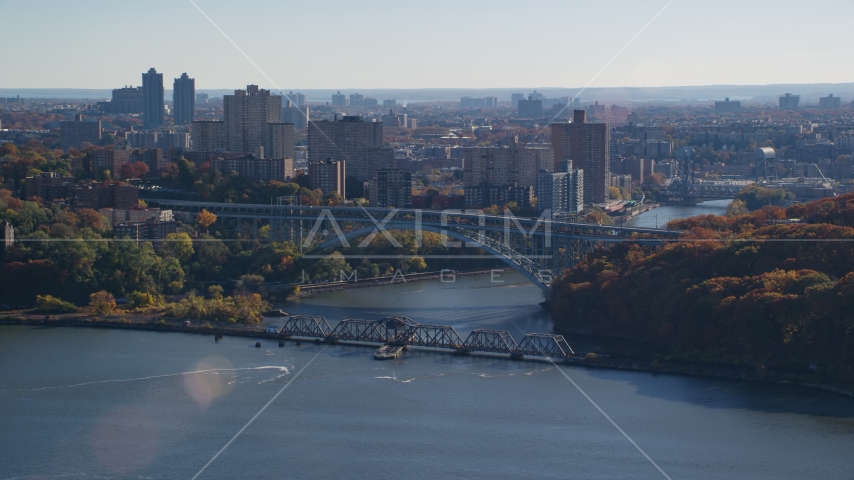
{"x":49,"y":304}
{"x":178,"y":245}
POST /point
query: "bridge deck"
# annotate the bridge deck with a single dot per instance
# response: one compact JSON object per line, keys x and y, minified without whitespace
{"x":452,"y":218}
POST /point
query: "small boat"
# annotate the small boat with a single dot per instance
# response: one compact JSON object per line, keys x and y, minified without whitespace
{"x":276,"y":313}
{"x":388,"y":352}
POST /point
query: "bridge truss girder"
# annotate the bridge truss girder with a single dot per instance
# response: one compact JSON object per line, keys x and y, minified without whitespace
{"x":490,"y":341}
{"x":370,"y":331}
{"x":306,"y":326}
{"x":544,"y":345}
{"x":435,"y":336}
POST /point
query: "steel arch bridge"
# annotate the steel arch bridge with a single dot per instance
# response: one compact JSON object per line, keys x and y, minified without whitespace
{"x":539,"y":248}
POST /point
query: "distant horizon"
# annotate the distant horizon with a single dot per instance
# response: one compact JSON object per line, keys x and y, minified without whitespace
{"x":355,"y":89}
{"x":760,"y":93}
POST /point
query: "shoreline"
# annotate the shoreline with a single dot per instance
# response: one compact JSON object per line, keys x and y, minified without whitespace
{"x":605,"y":362}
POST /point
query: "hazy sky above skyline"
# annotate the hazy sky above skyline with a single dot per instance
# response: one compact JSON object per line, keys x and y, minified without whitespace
{"x":428,"y":44}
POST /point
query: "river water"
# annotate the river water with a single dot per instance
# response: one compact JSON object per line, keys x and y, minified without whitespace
{"x":658,"y":217}
{"x":98,"y":403}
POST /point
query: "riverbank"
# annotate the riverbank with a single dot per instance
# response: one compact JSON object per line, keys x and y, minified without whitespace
{"x":155,"y":323}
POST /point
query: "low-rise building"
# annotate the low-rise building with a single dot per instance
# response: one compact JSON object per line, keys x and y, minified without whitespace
{"x":145,"y":231}
{"x":329,"y":176}
{"x":135,"y":215}
{"x":256,"y":169}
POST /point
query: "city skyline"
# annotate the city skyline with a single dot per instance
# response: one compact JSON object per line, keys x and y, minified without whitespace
{"x":544,"y":37}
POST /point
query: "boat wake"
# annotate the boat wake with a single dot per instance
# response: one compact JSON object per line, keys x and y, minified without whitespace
{"x":217,"y":371}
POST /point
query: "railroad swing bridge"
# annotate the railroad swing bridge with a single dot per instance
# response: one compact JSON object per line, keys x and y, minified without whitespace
{"x":538,"y":248}
{"x":405,"y":332}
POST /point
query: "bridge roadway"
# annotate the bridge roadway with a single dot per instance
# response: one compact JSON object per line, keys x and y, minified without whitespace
{"x":405,"y":332}
{"x":704,"y":191}
{"x":538,"y":248}
{"x":445,"y":218}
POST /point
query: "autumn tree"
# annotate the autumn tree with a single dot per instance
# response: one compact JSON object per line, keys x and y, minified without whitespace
{"x":736,"y":207}
{"x":133,"y":170}
{"x":205,"y":219}
{"x":102,"y":303}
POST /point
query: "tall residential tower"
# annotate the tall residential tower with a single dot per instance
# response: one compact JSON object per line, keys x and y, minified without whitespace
{"x":184,"y":99}
{"x":588,"y":146}
{"x":153,"y":111}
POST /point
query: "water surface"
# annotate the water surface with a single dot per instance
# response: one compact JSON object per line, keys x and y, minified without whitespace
{"x":98,"y":403}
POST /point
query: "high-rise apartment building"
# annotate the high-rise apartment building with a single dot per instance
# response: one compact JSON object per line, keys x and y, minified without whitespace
{"x":492,"y":174}
{"x":790,"y":102}
{"x":392,"y":120}
{"x":352,"y":139}
{"x":127,"y":100}
{"x":356,"y":99}
{"x":153,"y":111}
{"x":298,"y":115}
{"x":391,"y":188}
{"x":484,"y":102}
{"x":552,"y":194}
{"x":246,"y":115}
{"x":515,"y":97}
{"x":280,"y":140}
{"x":530,"y":108}
{"x":329,"y":176}
{"x":208,"y":136}
{"x":728,"y":106}
{"x":830,"y":103}
{"x":514,"y":165}
{"x":339,"y":100}
{"x":588,"y":145}
{"x":184,"y":99}
{"x":634,"y":166}
{"x":296,"y":99}
{"x":74,"y":133}
{"x":562,"y":192}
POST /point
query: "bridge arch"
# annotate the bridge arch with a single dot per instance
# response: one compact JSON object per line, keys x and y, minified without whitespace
{"x":516,"y":262}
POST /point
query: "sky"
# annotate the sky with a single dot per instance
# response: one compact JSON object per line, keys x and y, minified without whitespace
{"x":321,"y":44}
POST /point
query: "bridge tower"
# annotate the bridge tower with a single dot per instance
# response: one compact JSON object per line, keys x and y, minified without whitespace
{"x":687,"y":164}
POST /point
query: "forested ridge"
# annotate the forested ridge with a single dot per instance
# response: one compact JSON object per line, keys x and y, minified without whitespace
{"x":744,"y":289}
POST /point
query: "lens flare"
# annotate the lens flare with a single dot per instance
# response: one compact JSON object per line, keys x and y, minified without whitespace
{"x":212,"y":380}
